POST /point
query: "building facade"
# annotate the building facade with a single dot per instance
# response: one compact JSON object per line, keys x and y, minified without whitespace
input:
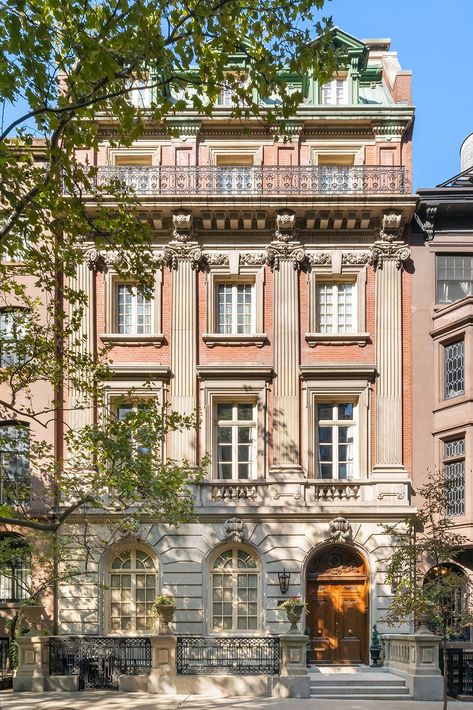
{"x":442,"y":249}
{"x":282,"y":314}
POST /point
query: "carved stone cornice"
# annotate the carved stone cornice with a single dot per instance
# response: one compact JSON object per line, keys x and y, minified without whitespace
{"x":290,"y":251}
{"x":176,"y":252}
{"x":389,"y":129}
{"x":382,"y":251}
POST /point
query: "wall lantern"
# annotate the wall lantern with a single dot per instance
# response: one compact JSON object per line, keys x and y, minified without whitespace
{"x":284,"y":580}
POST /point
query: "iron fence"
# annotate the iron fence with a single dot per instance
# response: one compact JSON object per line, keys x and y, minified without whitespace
{"x":256,"y":180}
{"x":6,"y":670}
{"x":459,"y":671}
{"x":99,"y":661}
{"x":228,"y":655}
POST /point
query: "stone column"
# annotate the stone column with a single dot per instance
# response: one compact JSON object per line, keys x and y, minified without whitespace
{"x":294,"y":680}
{"x":183,"y":257}
{"x":387,"y":258}
{"x":285,"y":258}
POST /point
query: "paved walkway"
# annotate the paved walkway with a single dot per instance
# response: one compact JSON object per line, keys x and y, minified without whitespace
{"x":103,"y":700}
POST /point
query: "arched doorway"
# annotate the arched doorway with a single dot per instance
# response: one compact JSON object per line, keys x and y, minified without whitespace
{"x":337,"y":597}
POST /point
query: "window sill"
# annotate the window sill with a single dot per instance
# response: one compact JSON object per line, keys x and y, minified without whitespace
{"x":156,"y":339}
{"x":314,"y":339}
{"x":212,"y":339}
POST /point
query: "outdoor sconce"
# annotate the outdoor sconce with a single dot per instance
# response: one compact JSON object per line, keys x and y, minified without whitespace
{"x":284,"y":580}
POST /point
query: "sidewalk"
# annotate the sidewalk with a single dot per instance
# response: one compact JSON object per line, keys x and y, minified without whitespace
{"x":103,"y":700}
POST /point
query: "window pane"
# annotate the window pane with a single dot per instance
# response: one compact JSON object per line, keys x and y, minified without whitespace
{"x":454,"y":369}
{"x":325,"y":434}
{"x":326,"y":470}
{"x":245,"y":412}
{"x":345,"y":411}
{"x":224,"y":411}
{"x":454,"y":277}
{"x":325,"y":412}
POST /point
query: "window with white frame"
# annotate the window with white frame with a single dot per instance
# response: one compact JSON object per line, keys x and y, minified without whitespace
{"x":15,"y":574}
{"x":13,"y":329}
{"x":235,"y":312}
{"x":454,"y":472}
{"x":235,"y":424}
{"x":134,"y":311}
{"x":454,"y":277}
{"x":336,"y":433}
{"x":14,"y":463}
{"x":454,"y":369}
{"x":334,"y":92}
{"x":126,"y":409}
{"x":336,"y":308}
{"x":133,"y":587}
{"x":235,"y":590}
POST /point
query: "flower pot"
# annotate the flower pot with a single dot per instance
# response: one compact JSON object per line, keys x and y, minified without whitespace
{"x":294,"y":613}
{"x":375,"y":652}
{"x":165,"y":613}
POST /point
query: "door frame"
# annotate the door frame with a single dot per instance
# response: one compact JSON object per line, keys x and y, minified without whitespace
{"x":360,"y":552}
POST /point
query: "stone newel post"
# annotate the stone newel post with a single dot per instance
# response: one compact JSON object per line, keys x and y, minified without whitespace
{"x":162,"y":679}
{"x":33,"y":664}
{"x":294,"y":680}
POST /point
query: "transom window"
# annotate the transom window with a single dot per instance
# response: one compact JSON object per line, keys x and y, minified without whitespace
{"x":13,"y":325}
{"x":454,"y":471}
{"x":134,"y":311}
{"x":236,"y":445}
{"x":235,"y":590}
{"x":235,"y":308}
{"x":454,"y":277}
{"x":454,"y":369}
{"x":335,"y":307}
{"x":14,"y":463}
{"x":133,"y":587}
{"x":334,"y":92}
{"x":15,"y":574}
{"x":336,"y":440}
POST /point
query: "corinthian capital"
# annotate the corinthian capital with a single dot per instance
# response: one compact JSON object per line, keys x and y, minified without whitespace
{"x":388,"y":251}
{"x":291,"y":251}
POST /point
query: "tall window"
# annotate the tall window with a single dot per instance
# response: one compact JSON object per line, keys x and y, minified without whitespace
{"x":13,"y":323}
{"x":334,"y":92}
{"x":133,"y":585}
{"x":336,"y":440}
{"x":335,"y":307}
{"x":15,"y":574}
{"x":454,"y":471}
{"x":454,"y":277}
{"x":134,"y":311}
{"x":124,"y":410}
{"x":235,"y":308}
{"x":236,"y":445}
{"x":454,"y":369}
{"x":14,"y":463}
{"x":235,"y":589}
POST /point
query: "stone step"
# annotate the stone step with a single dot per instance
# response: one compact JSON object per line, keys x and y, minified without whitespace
{"x":362,"y":696}
{"x":345,"y":690}
{"x":355,"y":682}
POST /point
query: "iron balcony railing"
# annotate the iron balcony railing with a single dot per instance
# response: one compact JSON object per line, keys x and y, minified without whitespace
{"x":228,"y":655}
{"x":257,"y":180}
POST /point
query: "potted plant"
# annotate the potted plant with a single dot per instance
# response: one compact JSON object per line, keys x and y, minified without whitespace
{"x":294,"y":606}
{"x":164,"y":607}
{"x":375,"y":647}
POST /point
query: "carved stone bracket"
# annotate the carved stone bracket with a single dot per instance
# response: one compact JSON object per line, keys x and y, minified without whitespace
{"x":285,"y":223}
{"x":291,"y":251}
{"x":182,"y":227}
{"x":340,"y":530}
{"x":428,"y":225}
{"x":390,"y":226}
{"x":382,"y":251}
{"x":235,"y":530}
{"x":96,"y":261}
{"x":175,"y":252}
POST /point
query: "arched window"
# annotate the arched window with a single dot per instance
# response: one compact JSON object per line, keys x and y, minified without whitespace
{"x":235,"y":591}
{"x":451,"y":597}
{"x":15,"y":569}
{"x":133,"y":583}
{"x":14,"y":462}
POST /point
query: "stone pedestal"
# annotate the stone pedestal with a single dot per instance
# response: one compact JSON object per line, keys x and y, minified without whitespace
{"x":33,"y":664}
{"x":162,"y":679}
{"x":294,"y":680}
{"x":415,"y":657}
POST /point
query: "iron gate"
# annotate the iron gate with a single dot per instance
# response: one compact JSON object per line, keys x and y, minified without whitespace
{"x":99,"y":661}
{"x":459,"y":671}
{"x":234,"y":655}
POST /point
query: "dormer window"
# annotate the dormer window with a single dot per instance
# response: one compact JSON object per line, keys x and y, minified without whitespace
{"x":334,"y":92}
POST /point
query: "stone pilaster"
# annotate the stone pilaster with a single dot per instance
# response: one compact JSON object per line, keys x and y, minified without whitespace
{"x":183,"y":257}
{"x":285,"y":259}
{"x":387,"y":258}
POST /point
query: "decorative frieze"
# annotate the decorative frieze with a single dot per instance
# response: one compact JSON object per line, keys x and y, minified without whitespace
{"x":349,"y":258}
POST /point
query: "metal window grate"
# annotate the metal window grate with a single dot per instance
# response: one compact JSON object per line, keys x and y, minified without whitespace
{"x":228,"y":655}
{"x":454,"y":369}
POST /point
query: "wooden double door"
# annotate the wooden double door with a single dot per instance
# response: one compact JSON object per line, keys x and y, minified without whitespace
{"x":338,"y":619}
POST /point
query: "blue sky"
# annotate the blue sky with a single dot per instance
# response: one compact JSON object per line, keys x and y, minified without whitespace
{"x":434,"y":38}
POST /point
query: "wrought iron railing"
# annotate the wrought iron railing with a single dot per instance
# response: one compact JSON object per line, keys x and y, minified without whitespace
{"x":99,"y":661}
{"x":256,"y":180}
{"x":459,"y":671}
{"x":233,"y":655}
{"x":6,"y":667}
